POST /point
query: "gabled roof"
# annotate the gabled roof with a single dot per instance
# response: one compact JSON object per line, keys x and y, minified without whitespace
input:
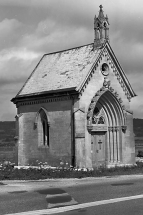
{"x":67,"y":70}
{"x":60,"y":70}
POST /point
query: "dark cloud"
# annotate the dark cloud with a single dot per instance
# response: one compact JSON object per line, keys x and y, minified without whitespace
{"x":5,"y":83}
{"x":129,"y":55}
{"x":31,"y":28}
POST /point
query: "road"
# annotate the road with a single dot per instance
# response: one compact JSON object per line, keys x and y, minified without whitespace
{"x":133,"y":207}
{"x":29,"y":196}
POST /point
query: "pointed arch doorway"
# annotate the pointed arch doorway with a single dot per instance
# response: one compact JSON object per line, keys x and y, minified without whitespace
{"x":106,"y":123}
{"x":98,"y":136}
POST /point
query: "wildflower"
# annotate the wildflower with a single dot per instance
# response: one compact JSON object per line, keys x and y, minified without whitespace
{"x":61,"y":163}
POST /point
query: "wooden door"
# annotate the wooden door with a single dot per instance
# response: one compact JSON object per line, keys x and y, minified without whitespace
{"x":98,"y":148}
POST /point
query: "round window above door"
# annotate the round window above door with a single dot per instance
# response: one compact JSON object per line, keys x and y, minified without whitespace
{"x":105,"y":69}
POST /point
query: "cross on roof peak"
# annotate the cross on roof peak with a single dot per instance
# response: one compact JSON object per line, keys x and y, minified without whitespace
{"x":101,"y":7}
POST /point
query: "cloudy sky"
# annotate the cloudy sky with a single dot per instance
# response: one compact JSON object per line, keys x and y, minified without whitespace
{"x":30,"y":28}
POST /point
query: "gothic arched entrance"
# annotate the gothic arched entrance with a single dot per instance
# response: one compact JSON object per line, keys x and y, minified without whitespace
{"x":106,"y":124}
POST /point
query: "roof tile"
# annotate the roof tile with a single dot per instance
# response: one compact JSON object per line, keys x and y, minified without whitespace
{"x":60,"y":70}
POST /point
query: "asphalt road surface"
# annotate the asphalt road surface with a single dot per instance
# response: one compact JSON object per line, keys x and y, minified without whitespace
{"x":29,"y":196}
{"x":133,"y":207}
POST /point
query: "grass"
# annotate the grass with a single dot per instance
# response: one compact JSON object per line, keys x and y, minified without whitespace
{"x":8,"y":172}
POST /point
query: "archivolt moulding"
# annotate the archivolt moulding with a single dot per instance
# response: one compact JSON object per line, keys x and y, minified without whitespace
{"x":106,"y":87}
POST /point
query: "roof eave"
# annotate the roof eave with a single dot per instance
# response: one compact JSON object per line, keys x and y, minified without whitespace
{"x":46,"y":94}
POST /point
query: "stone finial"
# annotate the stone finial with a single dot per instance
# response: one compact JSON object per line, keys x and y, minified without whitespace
{"x":101,"y":15}
{"x":101,"y":29}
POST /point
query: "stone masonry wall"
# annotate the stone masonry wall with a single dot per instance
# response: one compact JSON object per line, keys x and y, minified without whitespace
{"x":92,"y":86}
{"x":30,"y":152}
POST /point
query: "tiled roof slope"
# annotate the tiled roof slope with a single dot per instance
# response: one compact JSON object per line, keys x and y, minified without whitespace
{"x":60,"y":70}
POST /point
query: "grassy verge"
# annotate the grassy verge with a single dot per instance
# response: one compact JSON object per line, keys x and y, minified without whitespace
{"x":8,"y":172}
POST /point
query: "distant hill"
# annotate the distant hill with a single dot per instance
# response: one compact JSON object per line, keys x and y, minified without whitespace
{"x":7,"y":131}
{"x":138,"y":127}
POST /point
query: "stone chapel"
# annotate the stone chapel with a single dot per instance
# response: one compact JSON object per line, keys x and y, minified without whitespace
{"x":75,"y":107}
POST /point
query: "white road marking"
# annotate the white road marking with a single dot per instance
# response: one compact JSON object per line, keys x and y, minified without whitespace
{"x":79,"y":206}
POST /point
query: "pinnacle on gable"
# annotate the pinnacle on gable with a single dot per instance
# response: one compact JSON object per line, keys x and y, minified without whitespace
{"x":101,"y":29}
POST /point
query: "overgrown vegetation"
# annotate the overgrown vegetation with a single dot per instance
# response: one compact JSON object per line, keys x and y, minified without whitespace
{"x":8,"y":172}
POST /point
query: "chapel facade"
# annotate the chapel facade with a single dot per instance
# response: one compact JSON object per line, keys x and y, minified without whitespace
{"x":74,"y":108}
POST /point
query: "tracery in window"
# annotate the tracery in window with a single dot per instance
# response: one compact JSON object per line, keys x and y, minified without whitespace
{"x":98,"y":116}
{"x":95,"y":114}
{"x":101,"y":120}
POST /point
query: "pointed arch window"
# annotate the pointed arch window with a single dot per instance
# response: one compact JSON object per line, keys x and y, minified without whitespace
{"x":45,"y":128}
{"x":42,"y":124}
{"x":98,"y":116}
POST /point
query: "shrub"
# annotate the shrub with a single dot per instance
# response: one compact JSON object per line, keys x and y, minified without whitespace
{"x":9,"y":172}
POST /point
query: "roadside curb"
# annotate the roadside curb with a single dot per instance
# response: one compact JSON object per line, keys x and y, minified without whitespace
{"x":74,"y":179}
